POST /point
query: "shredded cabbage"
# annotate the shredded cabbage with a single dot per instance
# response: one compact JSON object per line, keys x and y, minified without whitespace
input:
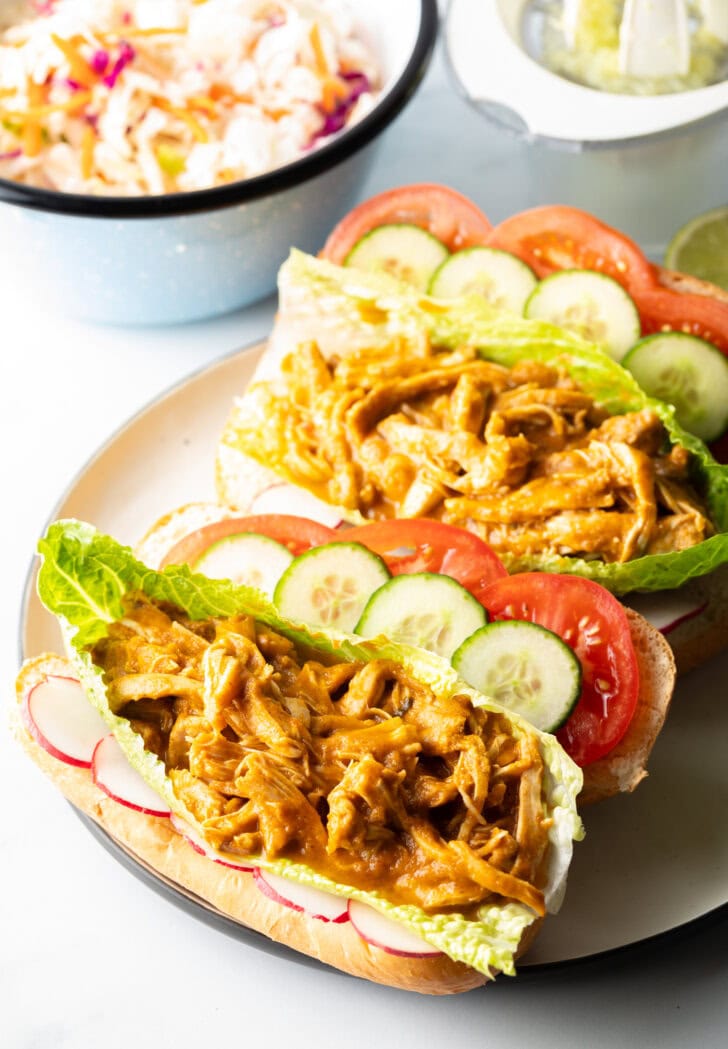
{"x":96,"y":96}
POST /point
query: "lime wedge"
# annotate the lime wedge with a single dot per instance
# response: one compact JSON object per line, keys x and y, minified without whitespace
{"x":700,"y":248}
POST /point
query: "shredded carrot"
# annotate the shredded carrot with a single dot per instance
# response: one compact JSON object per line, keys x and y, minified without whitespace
{"x":31,"y":136}
{"x":328,"y":99}
{"x":81,"y":71}
{"x":203,"y":103}
{"x":223,"y":93}
{"x":322,"y":66}
{"x":333,"y":90}
{"x":340,"y":88}
{"x":37,"y":112}
{"x":36,"y":92}
{"x":31,"y":140}
{"x":198,"y":131}
{"x":155,"y":31}
{"x":88,"y":144}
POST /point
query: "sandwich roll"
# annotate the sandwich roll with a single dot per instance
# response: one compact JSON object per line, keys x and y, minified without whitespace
{"x":315,"y":758}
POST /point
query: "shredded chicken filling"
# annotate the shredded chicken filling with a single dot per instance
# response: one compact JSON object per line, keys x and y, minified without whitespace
{"x":521,"y":456}
{"x":356,"y":769}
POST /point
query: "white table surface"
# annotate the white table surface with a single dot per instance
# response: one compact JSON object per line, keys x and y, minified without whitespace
{"x":90,"y":958}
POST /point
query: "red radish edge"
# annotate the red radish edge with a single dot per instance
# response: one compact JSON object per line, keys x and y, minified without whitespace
{"x":201,"y":847}
{"x":683,"y":619}
{"x":380,"y":931}
{"x":86,"y":715}
{"x":285,"y":498}
{"x":302,"y":898}
{"x":235,"y":866}
{"x":105,"y":762}
{"x":686,"y":610}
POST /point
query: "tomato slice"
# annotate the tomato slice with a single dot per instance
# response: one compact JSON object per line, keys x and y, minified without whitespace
{"x":442,"y":211}
{"x":589,"y":619}
{"x":662,"y":309}
{"x":298,"y":534}
{"x":557,"y":237}
{"x":419,"y":545}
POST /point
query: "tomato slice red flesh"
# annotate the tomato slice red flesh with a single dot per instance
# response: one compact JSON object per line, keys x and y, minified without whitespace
{"x":442,"y":211}
{"x":662,"y":309}
{"x":421,"y":545}
{"x":557,"y":237}
{"x":594,"y":624}
{"x":298,"y":534}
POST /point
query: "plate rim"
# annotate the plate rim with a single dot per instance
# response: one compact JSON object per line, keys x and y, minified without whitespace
{"x":30,"y":574}
{"x":224,"y":923}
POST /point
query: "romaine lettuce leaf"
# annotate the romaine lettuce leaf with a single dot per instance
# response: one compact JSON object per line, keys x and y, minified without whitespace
{"x":343,"y":308}
{"x":83,"y":579}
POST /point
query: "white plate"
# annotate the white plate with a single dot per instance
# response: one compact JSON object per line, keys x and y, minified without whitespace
{"x":652,"y":862}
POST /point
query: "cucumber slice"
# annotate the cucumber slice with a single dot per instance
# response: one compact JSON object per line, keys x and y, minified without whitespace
{"x":248,"y":559}
{"x":498,"y":276}
{"x":407,"y":252}
{"x":687,"y":372}
{"x":423,"y":609}
{"x":330,"y":585}
{"x":589,"y":304}
{"x":524,"y":667}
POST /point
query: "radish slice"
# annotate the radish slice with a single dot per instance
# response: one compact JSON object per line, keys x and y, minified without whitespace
{"x":665,"y":611}
{"x":200,"y":846}
{"x":113,"y":774}
{"x":287,"y":499}
{"x":388,"y":935}
{"x":322,"y":905}
{"x":185,"y":831}
{"x":60,"y":718}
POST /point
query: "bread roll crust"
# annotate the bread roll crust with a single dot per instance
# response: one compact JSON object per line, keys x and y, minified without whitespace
{"x":685,"y":283}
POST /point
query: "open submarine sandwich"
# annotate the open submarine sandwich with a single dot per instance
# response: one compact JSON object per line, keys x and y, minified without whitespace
{"x":559,"y":650}
{"x":351,"y":798}
{"x":383,"y":402}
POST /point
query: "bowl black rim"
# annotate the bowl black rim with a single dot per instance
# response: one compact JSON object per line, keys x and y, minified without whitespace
{"x":269,"y":183}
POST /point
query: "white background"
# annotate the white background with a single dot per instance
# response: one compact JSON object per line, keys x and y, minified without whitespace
{"x":89,"y":956}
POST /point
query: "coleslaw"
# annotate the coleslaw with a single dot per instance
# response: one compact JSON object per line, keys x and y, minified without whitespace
{"x":136,"y":97}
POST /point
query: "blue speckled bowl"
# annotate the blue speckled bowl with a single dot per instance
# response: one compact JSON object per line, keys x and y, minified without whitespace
{"x":186,"y":256}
